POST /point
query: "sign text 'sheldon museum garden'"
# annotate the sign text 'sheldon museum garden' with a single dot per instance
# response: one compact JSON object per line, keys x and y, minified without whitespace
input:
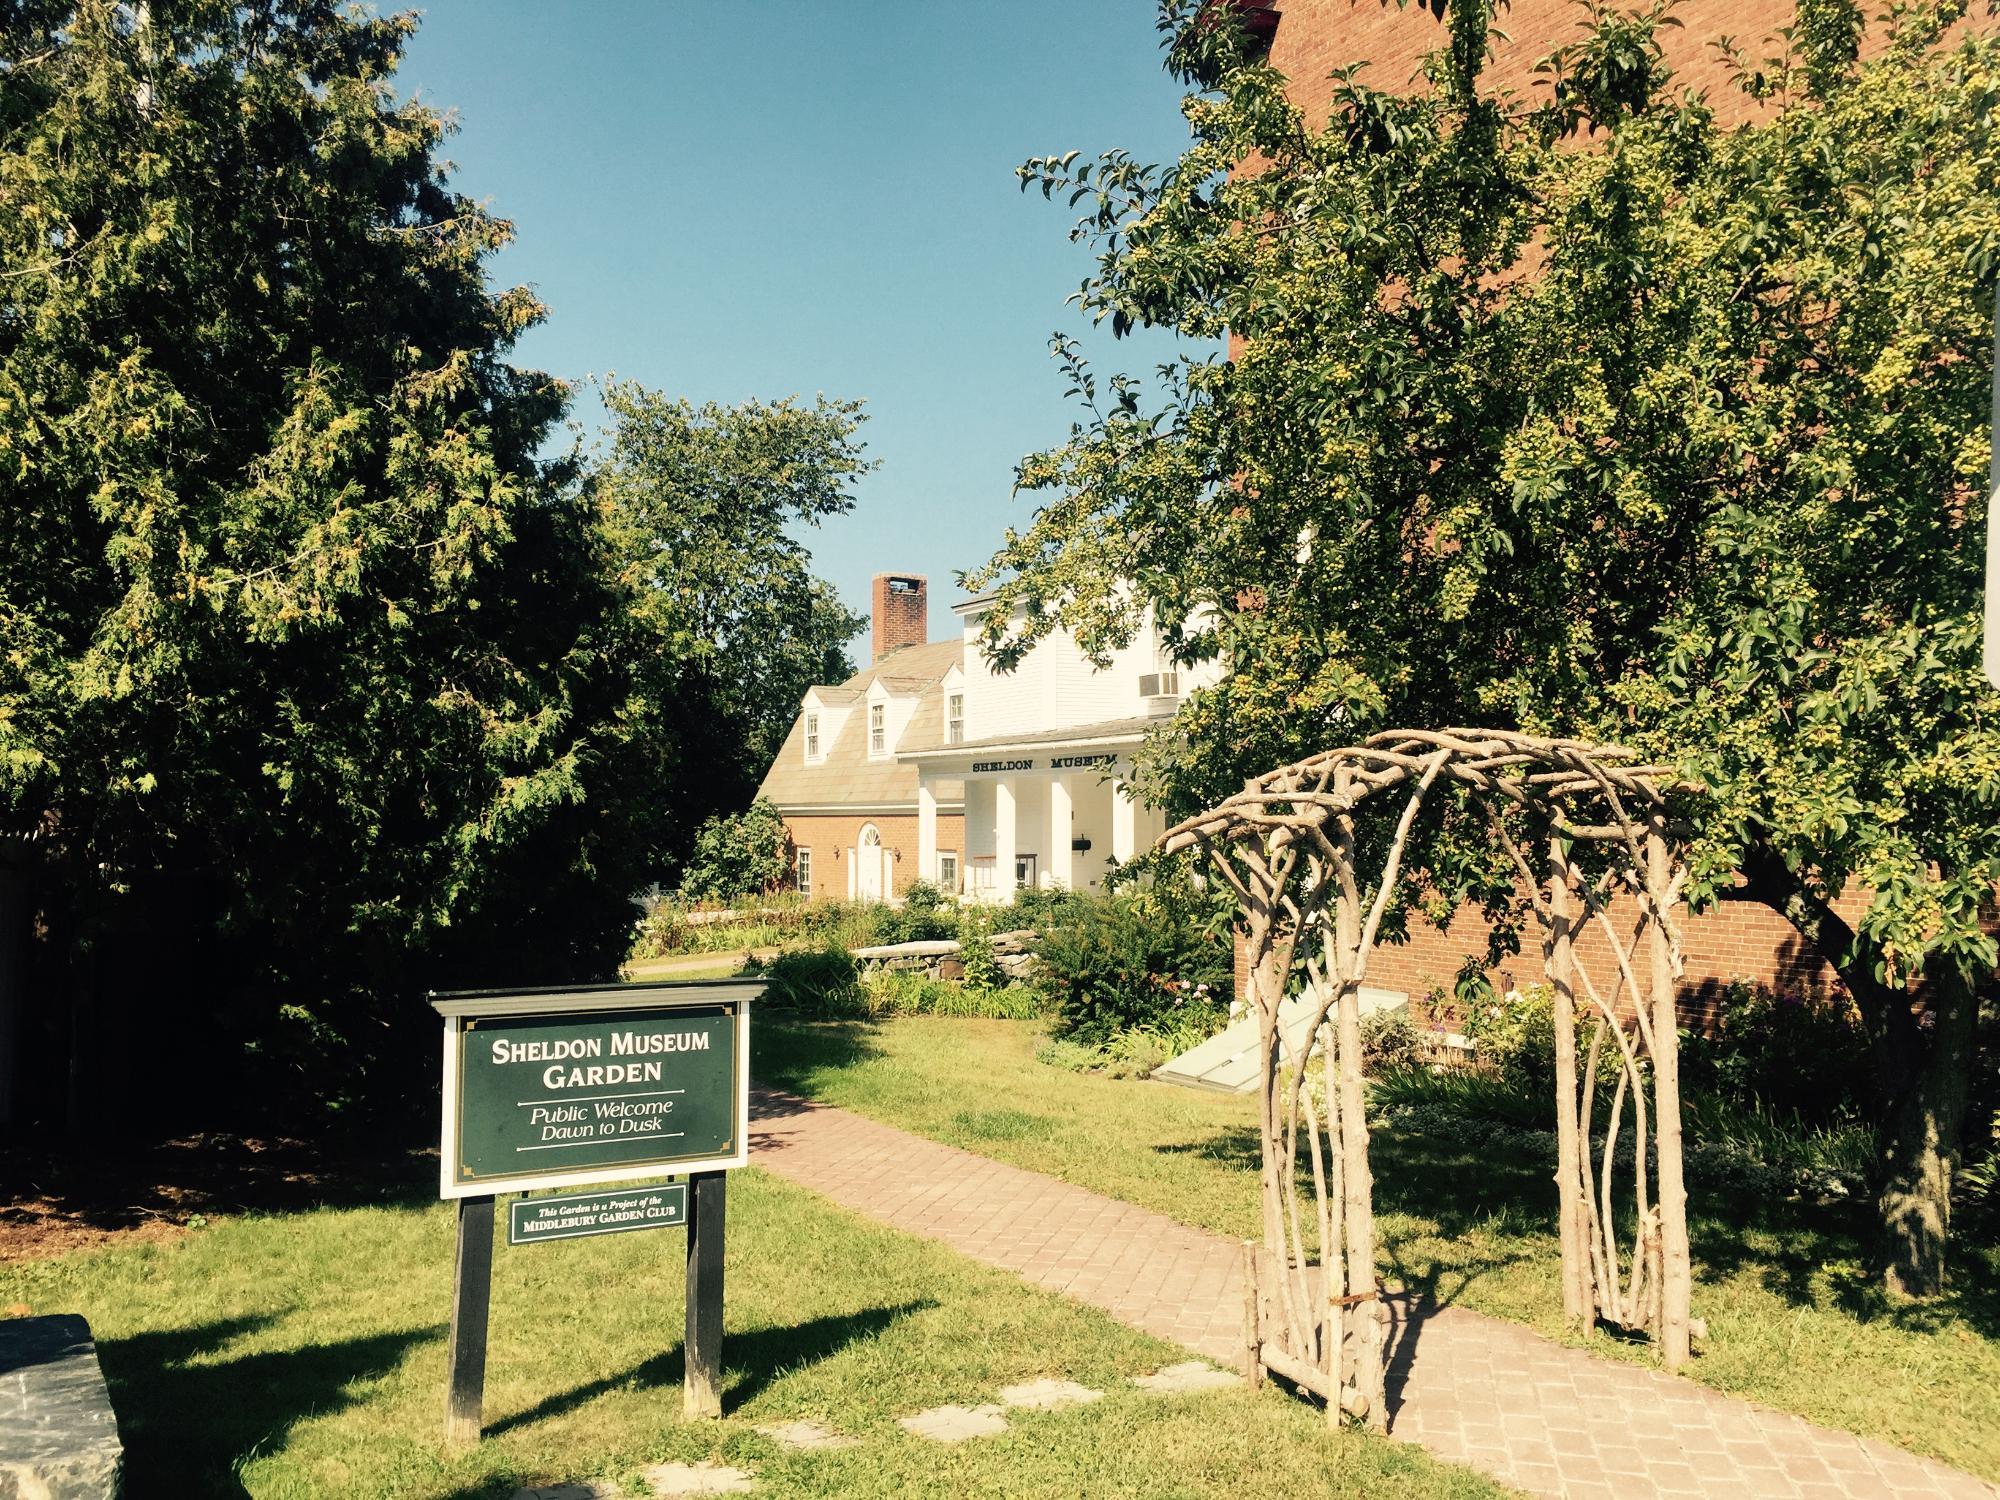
{"x":546,"y":1095}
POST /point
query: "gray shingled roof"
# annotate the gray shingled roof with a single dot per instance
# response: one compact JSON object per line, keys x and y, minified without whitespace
{"x":846,"y":777}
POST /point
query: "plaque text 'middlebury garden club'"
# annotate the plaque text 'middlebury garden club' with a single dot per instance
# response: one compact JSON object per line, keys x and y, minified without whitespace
{"x":544,"y":1096}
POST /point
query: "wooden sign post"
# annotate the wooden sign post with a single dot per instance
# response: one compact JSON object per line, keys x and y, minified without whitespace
{"x":701,"y":1389}
{"x":571,"y":1087}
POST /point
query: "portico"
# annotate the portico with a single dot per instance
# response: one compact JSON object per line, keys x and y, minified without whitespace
{"x":1045,"y":811}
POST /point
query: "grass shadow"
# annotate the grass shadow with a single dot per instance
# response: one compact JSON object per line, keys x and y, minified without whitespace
{"x":787,"y":1053}
{"x":189,"y":1427}
{"x":751,"y":1361}
{"x":1237,"y":1148}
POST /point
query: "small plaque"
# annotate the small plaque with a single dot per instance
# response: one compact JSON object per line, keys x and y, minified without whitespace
{"x":570,"y":1216}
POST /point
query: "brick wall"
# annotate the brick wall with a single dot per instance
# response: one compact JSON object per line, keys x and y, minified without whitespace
{"x":831,"y":836}
{"x":1316,"y":36}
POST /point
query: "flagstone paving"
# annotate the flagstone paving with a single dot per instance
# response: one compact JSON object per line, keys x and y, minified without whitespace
{"x":704,"y":1478}
{"x":1471,"y":1389}
{"x":806,"y":1435}
{"x":1047,"y":1395}
{"x":954,"y":1424}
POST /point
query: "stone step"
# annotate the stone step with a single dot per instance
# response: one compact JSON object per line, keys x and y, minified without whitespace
{"x":58,"y":1435}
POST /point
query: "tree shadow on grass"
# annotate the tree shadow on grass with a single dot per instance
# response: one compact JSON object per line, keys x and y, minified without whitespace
{"x":188,"y":1427}
{"x":1818,"y":1255}
{"x":1456,"y":1187}
{"x":750,"y":1362}
{"x":786,"y":1052}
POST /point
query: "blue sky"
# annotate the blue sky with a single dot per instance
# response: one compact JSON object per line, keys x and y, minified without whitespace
{"x":765,"y":198}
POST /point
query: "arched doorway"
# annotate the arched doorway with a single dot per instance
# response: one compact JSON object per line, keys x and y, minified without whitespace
{"x":870,"y":867}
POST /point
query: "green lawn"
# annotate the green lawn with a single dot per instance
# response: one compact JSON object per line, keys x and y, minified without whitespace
{"x":1793,"y":1318}
{"x":303,"y":1355}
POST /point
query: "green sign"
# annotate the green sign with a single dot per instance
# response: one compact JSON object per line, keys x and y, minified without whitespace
{"x":549,"y":1089}
{"x":570,"y":1216}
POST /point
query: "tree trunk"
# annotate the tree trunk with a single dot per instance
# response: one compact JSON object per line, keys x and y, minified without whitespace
{"x":1919,"y":1141}
{"x":1919,"y":1087}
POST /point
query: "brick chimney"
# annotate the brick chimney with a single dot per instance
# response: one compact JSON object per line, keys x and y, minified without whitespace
{"x":902,"y":612}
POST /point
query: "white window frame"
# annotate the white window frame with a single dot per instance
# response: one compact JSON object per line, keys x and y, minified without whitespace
{"x":812,"y":736}
{"x":878,"y":730}
{"x":947,"y":871}
{"x":954,"y":719}
{"x":803,"y":869}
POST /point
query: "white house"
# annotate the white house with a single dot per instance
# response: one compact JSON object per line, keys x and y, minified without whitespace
{"x":1043,"y":756}
{"x":928,"y":764}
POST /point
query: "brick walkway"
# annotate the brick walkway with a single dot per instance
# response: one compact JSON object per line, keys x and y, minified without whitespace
{"x":1471,"y":1389}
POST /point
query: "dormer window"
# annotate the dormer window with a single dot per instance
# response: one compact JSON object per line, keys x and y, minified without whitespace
{"x":878,"y":729}
{"x":812,"y":736}
{"x":954,"y":719}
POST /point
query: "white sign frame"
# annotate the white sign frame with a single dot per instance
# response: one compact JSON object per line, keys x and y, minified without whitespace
{"x":460,"y":1007}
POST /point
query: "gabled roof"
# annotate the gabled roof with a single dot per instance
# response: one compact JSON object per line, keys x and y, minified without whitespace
{"x":845,"y":776}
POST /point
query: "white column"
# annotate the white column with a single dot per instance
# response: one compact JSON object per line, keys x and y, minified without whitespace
{"x":1124,"y":822}
{"x":927,"y":867}
{"x":1004,"y":840}
{"x":1061,"y":825}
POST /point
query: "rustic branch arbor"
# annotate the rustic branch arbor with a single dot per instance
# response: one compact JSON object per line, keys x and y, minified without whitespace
{"x":1583,"y":825}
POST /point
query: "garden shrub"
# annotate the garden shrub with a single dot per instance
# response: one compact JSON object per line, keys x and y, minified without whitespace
{"x":975,"y":952}
{"x":1785,"y":1054}
{"x":737,"y":854}
{"x":1515,"y":1033}
{"x":1009,"y":1002}
{"x":910,"y":992}
{"x":820,"y":983}
{"x":1048,"y":909}
{"x":1138,"y":958}
{"x":1390,"y":1039}
{"x":918,"y":924}
{"x":921,"y":895}
{"x":1135,"y":1052}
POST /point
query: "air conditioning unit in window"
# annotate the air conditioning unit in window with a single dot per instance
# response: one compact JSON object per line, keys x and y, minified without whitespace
{"x":1159,"y":684}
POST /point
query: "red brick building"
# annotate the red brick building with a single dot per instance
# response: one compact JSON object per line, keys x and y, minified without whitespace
{"x":1307,"y":41}
{"x":850,"y":806}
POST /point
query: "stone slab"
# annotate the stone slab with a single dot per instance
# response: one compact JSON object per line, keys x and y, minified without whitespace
{"x":805,"y":1434}
{"x":954,"y":1424}
{"x":1193,"y":1375}
{"x":58,"y":1435}
{"x":705,"y":1478}
{"x":1046,"y":1395}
